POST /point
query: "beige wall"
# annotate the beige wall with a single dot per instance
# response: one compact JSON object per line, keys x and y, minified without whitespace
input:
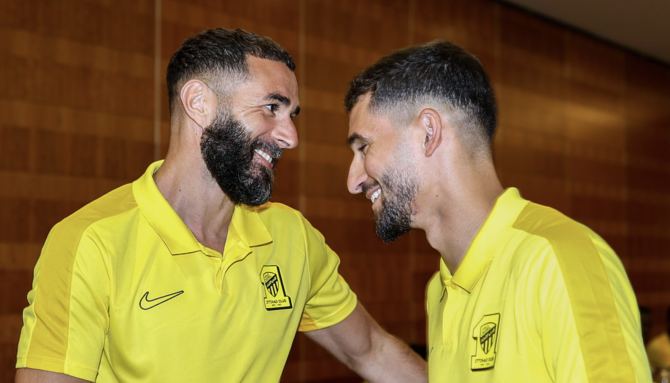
{"x":584,"y":127}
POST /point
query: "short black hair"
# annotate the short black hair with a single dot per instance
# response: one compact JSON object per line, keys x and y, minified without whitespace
{"x":219,"y":51}
{"x":438,"y":70}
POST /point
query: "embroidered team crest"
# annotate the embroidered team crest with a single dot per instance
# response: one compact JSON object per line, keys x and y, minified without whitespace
{"x":275,"y":295}
{"x":486,"y":339}
{"x":271,"y":283}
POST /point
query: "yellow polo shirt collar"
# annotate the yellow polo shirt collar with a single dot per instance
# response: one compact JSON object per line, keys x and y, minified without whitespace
{"x":484,"y":246}
{"x":246,"y":227}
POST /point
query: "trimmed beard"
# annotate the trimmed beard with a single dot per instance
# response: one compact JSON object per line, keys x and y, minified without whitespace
{"x":395,"y":216}
{"x":228,"y":152}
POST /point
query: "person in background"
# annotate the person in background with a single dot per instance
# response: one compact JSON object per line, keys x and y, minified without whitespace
{"x":189,"y":274}
{"x":658,"y":351}
{"x":524,"y":293}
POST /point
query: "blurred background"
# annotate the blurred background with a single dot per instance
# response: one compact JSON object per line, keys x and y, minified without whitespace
{"x":584,"y":127}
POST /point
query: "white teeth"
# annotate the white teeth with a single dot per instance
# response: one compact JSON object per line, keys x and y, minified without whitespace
{"x":264,"y":155}
{"x":375,"y":195}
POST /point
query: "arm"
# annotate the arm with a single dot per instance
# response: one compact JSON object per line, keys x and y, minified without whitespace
{"x":29,"y":375}
{"x":361,"y":344}
{"x":65,"y":323}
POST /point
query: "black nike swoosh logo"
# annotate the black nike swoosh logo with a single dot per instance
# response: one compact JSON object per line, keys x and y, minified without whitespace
{"x":146,"y":303}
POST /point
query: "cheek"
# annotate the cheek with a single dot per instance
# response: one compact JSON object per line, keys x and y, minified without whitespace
{"x":373,"y":167}
{"x":379,"y":163}
{"x":258,"y":124}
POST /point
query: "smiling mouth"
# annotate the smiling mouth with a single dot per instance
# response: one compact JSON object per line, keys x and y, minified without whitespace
{"x":375,"y":195}
{"x":265,"y":156}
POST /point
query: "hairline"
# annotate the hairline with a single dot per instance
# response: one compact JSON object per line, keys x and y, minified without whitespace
{"x":224,"y":81}
{"x":402,"y":112}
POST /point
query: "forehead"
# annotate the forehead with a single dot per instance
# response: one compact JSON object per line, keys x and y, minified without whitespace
{"x":266,"y":77}
{"x":366,"y":126}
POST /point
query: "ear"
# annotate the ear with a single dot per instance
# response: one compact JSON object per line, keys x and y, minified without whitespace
{"x":430,"y":123}
{"x":199,"y":102}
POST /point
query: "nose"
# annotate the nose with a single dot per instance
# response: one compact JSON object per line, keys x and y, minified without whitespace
{"x":357,"y":176}
{"x":286,"y":135}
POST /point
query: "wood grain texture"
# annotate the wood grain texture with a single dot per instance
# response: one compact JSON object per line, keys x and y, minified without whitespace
{"x":584,"y":127}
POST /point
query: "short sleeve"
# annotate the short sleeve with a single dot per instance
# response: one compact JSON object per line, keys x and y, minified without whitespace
{"x":330,"y":300}
{"x":588,"y":329}
{"x":553,"y":320}
{"x":65,"y":323}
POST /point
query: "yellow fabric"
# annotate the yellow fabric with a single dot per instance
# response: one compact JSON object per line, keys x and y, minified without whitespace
{"x":537,"y":298}
{"x":124,"y":292}
{"x":658,"y":351}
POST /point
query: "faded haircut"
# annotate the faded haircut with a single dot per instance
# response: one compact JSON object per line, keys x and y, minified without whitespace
{"x":217,"y":53}
{"x":438,"y":74}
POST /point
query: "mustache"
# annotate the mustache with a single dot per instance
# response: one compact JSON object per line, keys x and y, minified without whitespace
{"x":367,"y":187}
{"x":269,"y":147}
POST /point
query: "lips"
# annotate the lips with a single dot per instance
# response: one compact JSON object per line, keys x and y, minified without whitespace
{"x":265,"y":156}
{"x":372,"y":191}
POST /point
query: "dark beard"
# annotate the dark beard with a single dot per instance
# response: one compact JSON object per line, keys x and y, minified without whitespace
{"x":228,"y":152}
{"x":395,"y":216}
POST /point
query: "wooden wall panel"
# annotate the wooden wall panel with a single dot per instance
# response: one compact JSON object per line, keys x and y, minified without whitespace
{"x":583,"y":127}
{"x":531,"y":94}
{"x":470,"y":24}
{"x":596,"y":128}
{"x":647,"y":105}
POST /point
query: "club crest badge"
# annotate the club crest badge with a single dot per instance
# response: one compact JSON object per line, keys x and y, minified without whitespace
{"x":275,"y":295}
{"x":485,"y":334}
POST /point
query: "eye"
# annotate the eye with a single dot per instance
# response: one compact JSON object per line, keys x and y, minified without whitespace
{"x":272,"y":107}
{"x":363,"y":148}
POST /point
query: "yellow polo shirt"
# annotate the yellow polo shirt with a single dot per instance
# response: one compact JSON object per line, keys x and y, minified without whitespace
{"x":537,"y":298}
{"x":123,"y":292}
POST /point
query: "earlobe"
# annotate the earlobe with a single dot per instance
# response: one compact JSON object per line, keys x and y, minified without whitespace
{"x":431,"y":122}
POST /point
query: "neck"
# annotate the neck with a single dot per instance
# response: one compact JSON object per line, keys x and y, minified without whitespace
{"x":188,"y":187}
{"x":461,"y":206}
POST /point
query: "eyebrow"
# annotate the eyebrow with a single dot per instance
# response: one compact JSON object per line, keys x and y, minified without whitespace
{"x":279,"y":98}
{"x":355,"y":137}
{"x":283,"y":100}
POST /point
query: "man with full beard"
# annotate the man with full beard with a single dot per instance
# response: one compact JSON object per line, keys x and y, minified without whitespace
{"x":524,"y":293}
{"x":189,"y":274}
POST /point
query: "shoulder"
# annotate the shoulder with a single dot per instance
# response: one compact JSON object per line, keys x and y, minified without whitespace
{"x":550,"y":224}
{"x":573,"y":270}
{"x":543,"y":241}
{"x":542,"y":230}
{"x":277,"y":216}
{"x":276,"y":210}
{"x":116,"y":202}
{"x":68,"y":232}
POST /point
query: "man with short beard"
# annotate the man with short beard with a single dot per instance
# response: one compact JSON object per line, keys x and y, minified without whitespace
{"x":524,"y":293}
{"x":189,"y":274}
